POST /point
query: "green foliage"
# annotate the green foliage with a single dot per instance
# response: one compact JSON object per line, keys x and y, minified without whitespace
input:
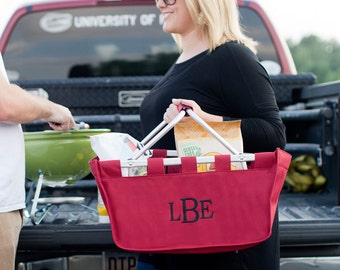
{"x":321,"y":57}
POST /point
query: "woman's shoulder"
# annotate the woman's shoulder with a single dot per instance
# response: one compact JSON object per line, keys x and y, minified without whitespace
{"x":234,"y":47}
{"x":233,"y":52}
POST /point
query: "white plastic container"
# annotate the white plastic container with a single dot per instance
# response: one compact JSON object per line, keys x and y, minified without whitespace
{"x":103,"y":216}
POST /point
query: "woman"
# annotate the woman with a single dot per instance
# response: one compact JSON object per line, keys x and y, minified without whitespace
{"x":220,"y":77}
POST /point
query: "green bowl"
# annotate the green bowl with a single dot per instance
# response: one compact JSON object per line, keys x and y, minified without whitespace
{"x":62,"y":157}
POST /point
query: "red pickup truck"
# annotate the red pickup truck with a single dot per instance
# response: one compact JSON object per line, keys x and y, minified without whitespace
{"x":100,"y":58}
{"x":112,"y":38}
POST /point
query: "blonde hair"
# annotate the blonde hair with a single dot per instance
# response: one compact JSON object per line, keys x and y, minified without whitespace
{"x":219,"y":22}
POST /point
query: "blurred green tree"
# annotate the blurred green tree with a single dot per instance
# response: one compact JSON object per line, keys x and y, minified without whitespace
{"x":321,"y":57}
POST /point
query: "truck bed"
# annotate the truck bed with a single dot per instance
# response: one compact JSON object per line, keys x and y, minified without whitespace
{"x":308,"y":223}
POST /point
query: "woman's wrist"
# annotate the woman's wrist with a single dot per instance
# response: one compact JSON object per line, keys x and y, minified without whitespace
{"x":212,"y":118}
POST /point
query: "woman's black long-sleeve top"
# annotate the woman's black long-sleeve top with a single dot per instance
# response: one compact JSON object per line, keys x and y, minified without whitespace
{"x":228,"y":82}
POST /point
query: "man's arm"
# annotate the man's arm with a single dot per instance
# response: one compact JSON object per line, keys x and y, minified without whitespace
{"x":19,"y":106}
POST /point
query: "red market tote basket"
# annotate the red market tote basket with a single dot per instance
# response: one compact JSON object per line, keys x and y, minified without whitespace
{"x":185,"y":211}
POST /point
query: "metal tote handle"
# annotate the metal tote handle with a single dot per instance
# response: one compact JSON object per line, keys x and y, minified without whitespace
{"x":156,"y":134}
{"x":162,"y":129}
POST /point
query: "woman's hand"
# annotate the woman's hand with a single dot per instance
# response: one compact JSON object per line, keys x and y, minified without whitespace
{"x":172,"y":111}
